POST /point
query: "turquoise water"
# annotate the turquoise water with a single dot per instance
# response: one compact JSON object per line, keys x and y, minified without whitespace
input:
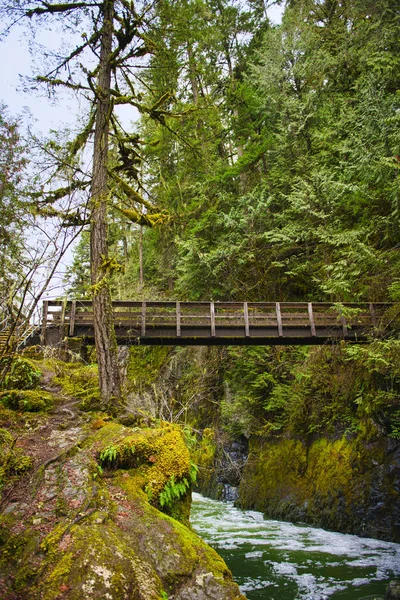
{"x":275,"y":560}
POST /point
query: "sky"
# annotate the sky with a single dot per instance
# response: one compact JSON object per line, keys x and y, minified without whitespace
{"x":15,"y":60}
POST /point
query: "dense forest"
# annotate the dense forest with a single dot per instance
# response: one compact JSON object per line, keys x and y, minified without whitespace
{"x":263,"y":166}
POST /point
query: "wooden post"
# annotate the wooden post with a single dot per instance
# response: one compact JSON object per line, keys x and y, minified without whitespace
{"x":373,"y":315}
{"x":72,"y":319}
{"x":44,"y":323}
{"x":279,"y":319}
{"x":178,"y":319}
{"x":62,"y":320}
{"x":246,"y":319}
{"x":344,"y":325}
{"x":212,"y":317}
{"x":311,"y":319}
{"x":143,"y":332}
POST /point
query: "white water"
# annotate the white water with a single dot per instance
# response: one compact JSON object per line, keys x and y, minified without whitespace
{"x":274,"y":560}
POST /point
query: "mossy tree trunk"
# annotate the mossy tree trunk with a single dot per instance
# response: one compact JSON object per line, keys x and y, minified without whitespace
{"x":106,"y":347}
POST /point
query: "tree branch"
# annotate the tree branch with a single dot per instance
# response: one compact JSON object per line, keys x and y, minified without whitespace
{"x":58,"y":8}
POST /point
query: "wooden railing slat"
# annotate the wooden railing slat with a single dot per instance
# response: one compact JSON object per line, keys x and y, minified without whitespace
{"x":311,"y":319}
{"x":72,"y":319}
{"x":143,"y":319}
{"x":246,"y":320}
{"x":178,"y":319}
{"x":212,"y":317}
{"x":44,"y":322}
{"x":279,"y":319}
{"x":373,"y":314}
{"x":62,"y":320}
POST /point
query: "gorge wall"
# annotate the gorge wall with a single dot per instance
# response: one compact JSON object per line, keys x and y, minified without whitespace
{"x":303,"y":434}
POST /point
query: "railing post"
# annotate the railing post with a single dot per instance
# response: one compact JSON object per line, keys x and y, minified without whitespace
{"x":44,"y":323}
{"x":143,"y":332}
{"x":373,"y":315}
{"x":72,"y":319}
{"x":246,"y":319}
{"x":212,"y":317}
{"x":279,"y":319}
{"x":178,"y":319}
{"x":62,"y":320}
{"x":344,"y":325}
{"x":311,"y":319}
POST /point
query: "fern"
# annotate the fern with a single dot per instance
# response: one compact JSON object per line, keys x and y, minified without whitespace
{"x":109,"y":454}
{"x":173,"y":490}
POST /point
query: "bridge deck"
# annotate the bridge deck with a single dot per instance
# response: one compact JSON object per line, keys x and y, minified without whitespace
{"x":217,"y":323}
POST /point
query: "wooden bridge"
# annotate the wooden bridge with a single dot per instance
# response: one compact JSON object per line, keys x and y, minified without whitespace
{"x":217,"y":323}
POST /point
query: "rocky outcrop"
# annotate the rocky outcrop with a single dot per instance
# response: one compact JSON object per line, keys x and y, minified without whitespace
{"x":89,"y":521}
{"x":339,"y":484}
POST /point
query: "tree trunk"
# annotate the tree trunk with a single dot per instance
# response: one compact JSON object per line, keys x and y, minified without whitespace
{"x":106,"y":346}
{"x":141,"y":255}
{"x":192,"y":73}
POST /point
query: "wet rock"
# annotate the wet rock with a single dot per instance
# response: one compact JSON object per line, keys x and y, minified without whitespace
{"x":339,"y":484}
{"x":393,"y":590}
{"x":229,"y":493}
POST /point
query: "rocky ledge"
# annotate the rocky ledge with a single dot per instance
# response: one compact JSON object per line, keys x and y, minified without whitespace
{"x":88,"y":520}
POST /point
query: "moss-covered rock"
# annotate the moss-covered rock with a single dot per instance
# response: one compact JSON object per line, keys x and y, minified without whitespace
{"x":79,"y":381}
{"x":157,"y":456}
{"x":341,"y":484}
{"x":27,"y":400}
{"x":92,"y":528}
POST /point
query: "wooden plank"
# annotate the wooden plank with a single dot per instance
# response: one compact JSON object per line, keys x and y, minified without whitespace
{"x":143,"y":319}
{"x":212,"y":317}
{"x":246,"y":320}
{"x":44,"y":322}
{"x":279,"y":318}
{"x":72,"y":319}
{"x":311,"y":319}
{"x":178,"y":319}
{"x":62,"y":319}
{"x":373,"y":314}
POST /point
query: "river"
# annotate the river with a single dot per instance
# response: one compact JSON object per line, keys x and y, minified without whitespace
{"x":273,"y":560}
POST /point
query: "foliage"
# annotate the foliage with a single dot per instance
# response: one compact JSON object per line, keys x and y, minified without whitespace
{"x":173,"y":490}
{"x":12,"y":220}
{"x":289,"y":188}
{"x":22,"y":375}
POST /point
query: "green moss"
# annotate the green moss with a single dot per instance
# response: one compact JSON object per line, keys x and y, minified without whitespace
{"x":27,"y":400}
{"x":13,"y":461}
{"x":92,"y":560}
{"x":79,"y":381}
{"x":144,"y":365}
{"x":15,"y":556}
{"x":204,"y":456}
{"x":159,"y":456}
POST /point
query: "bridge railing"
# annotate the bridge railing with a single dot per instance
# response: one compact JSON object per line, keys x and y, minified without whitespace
{"x":218,"y":319}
